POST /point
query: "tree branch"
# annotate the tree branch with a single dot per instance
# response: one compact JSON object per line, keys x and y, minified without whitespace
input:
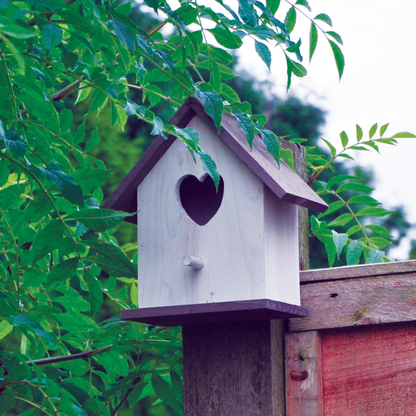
{"x":61,"y":358}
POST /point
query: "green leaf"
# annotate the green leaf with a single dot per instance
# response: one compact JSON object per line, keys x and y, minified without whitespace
{"x":247,"y":13}
{"x":313,"y":40}
{"x":63,"y":271}
{"x":379,"y":242}
{"x":375,"y":256}
{"x":359,"y":132}
{"x":226,"y":38}
{"x":273,"y":5}
{"x":217,"y":53}
{"x":324,"y":18}
{"x":335,"y":36}
{"x":404,"y":135}
{"x":5,"y":329}
{"x":189,"y":136}
{"x":47,"y":240}
{"x":373,"y":130}
{"x":363,"y":199}
{"x":14,"y":30}
{"x":344,"y":139}
{"x":229,"y":94}
{"x":215,"y":79}
{"x":354,"y":252}
{"x":90,"y":179}
{"x":373,"y":212}
{"x":339,"y":58}
{"x":158,"y":127}
{"x":329,"y":247}
{"x":354,"y":229}
{"x":114,"y":363}
{"x":95,"y":292}
{"x":51,"y":36}
{"x":98,"y":219}
{"x":17,"y":147}
{"x":213,"y":106}
{"x":271,"y":141}
{"x":333,"y":207}
{"x":264,"y":53}
{"x":342,"y":220}
{"x":303,"y":3}
{"x":210,"y":167}
{"x":4,"y":173}
{"x":245,"y":124}
{"x":331,"y":148}
{"x":290,"y":19}
{"x":287,"y":156}
{"x":70,"y":190}
{"x":340,"y":178}
{"x":83,"y":93}
{"x":49,"y":4}
{"x":111,"y":259}
{"x":165,"y":392}
{"x":34,"y":277}
{"x":354,"y":186}
{"x":380,"y":230}
{"x":93,"y":141}
{"x":340,"y":240}
{"x":69,"y":59}
{"x":124,"y":35}
{"x":25,"y":322}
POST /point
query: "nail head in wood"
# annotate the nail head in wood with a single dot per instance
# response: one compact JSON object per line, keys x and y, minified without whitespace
{"x":194,"y":262}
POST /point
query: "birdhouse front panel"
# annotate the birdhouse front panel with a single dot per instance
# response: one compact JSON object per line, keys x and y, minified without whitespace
{"x":197,"y":245}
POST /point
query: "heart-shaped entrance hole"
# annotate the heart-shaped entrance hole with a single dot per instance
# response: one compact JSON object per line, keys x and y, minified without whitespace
{"x":200,"y":199}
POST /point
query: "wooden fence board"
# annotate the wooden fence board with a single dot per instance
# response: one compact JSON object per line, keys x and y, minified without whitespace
{"x":362,"y":270}
{"x":354,"y":302}
{"x":303,"y":370}
{"x":369,"y":371}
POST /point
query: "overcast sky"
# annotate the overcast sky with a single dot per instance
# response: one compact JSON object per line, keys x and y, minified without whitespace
{"x":378,"y":85}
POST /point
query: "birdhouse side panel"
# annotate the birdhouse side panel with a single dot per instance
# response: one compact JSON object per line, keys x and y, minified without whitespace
{"x":230,"y":244}
{"x":281,"y":249}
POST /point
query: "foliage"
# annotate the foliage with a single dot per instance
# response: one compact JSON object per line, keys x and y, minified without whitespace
{"x":60,"y":262}
{"x":358,"y":210}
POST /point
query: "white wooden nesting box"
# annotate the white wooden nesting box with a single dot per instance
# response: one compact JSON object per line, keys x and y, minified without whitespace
{"x":217,"y":249}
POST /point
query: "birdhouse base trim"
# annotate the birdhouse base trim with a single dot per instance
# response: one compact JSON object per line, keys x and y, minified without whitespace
{"x":182,"y":315}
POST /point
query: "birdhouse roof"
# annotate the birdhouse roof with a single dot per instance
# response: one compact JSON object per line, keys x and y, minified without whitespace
{"x":283,"y":181}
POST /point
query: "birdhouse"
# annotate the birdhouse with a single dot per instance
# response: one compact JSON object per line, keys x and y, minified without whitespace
{"x":207,"y":253}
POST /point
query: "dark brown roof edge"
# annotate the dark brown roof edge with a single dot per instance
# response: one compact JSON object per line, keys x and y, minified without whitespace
{"x":197,"y":314}
{"x":283,"y":182}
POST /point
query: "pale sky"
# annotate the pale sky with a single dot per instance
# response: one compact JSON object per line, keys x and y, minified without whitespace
{"x":378,"y":85}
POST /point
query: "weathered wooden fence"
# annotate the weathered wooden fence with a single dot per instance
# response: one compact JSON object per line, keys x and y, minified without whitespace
{"x":355,"y":354}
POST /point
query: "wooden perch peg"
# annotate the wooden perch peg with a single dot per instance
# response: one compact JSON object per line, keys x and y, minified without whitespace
{"x":194,"y":262}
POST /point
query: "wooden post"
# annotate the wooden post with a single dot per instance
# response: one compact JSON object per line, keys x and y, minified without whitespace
{"x":234,"y":369}
{"x":238,"y":368}
{"x":304,"y":391}
{"x":299,"y":160}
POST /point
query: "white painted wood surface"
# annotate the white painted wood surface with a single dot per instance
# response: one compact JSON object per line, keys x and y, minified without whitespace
{"x":240,"y":260}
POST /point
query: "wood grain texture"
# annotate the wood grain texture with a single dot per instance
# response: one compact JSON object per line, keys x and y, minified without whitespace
{"x":299,"y":159}
{"x":260,"y":309}
{"x":249,"y":247}
{"x":362,"y":270}
{"x":233,"y":369}
{"x":355,"y":302}
{"x":303,"y":372}
{"x":370,"y":371}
